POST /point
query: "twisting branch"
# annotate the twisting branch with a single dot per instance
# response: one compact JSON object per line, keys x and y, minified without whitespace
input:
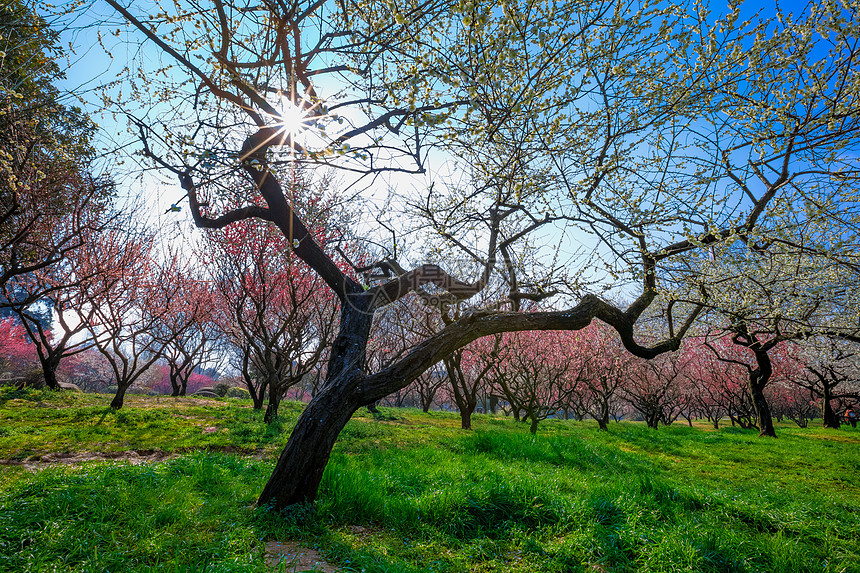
{"x":482,"y":323}
{"x":286,"y":218}
{"x":427,"y":274}
{"x":202,"y":221}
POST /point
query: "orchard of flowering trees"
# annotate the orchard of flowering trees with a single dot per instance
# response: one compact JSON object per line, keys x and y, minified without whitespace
{"x":589,"y":375}
{"x":572,"y":209}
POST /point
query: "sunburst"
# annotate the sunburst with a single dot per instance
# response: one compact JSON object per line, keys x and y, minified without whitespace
{"x":293,"y":119}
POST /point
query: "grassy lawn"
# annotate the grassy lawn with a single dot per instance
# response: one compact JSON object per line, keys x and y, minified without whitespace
{"x":407,"y":491}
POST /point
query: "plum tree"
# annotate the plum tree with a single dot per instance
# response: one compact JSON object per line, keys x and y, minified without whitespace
{"x":598,"y":145}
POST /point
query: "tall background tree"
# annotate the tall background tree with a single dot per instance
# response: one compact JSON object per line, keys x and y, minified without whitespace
{"x":278,"y":316}
{"x":49,"y":197}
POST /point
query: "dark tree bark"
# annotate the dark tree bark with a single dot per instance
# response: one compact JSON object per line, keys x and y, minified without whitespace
{"x":603,"y":420}
{"x":533,"y":426}
{"x":257,"y":391}
{"x":831,"y":420}
{"x":272,"y":408}
{"x":179,"y":379}
{"x":300,"y":467}
{"x":49,"y":370}
{"x":758,"y":379}
{"x":466,"y":418}
{"x":273,"y":402}
{"x":276,"y":397}
{"x":118,"y":398}
{"x":465,"y":389}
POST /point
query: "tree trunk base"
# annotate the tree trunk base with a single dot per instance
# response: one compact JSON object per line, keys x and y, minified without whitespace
{"x":465,"y":419}
{"x":300,"y":467}
{"x":767,"y":431}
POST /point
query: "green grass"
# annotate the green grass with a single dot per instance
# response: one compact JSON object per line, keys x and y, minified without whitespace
{"x":408,"y":491}
{"x":40,"y":422}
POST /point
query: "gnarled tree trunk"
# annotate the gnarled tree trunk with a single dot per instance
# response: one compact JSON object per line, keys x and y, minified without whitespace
{"x":300,"y":467}
{"x":301,"y":464}
{"x":119,"y":397}
{"x":49,"y":371}
{"x":831,"y":420}
{"x":272,"y":408}
{"x":758,"y":379}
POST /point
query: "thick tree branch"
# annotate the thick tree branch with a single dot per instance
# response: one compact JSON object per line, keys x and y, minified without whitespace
{"x":478,"y":324}
{"x":288,"y":221}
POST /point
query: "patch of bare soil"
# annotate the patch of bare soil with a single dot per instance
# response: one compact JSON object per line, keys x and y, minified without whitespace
{"x":296,"y":558}
{"x":135,"y":457}
{"x":359,"y":530}
{"x":396,"y":423}
{"x":843,"y":437}
{"x":150,"y":402}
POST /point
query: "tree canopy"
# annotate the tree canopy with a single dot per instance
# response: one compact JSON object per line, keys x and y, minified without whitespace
{"x":49,"y":197}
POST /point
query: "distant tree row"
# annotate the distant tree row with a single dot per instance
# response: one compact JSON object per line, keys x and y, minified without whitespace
{"x":587,"y":374}
{"x":240,"y":303}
